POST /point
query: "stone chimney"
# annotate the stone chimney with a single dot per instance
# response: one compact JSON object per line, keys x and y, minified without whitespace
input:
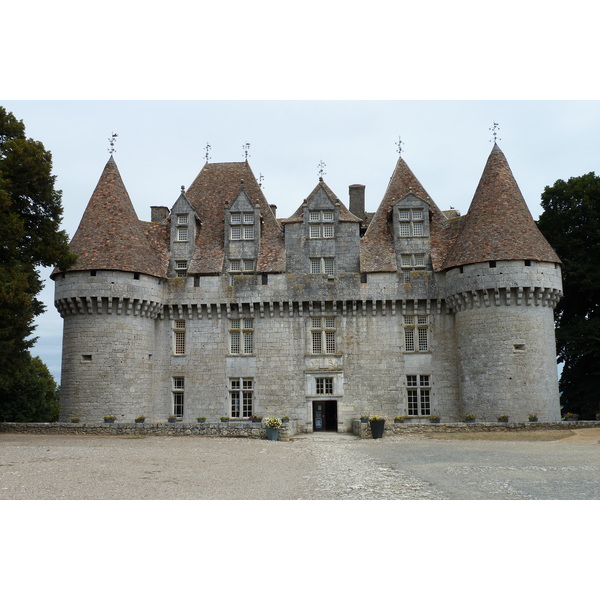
{"x":274,"y":209}
{"x":357,"y":200}
{"x":158,"y":213}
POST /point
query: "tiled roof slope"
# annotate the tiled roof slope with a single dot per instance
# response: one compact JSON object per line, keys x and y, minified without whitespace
{"x":216,"y":185}
{"x":498,"y":225}
{"x":345,"y":214}
{"x":377,"y":252}
{"x":111,"y":237}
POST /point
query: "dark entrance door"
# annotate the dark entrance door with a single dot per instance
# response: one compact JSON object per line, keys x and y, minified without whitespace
{"x":325,"y":415}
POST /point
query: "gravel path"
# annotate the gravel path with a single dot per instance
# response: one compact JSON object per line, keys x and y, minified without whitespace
{"x":311,"y":467}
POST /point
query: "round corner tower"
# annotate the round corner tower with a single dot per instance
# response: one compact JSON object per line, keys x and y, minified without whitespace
{"x":109,"y":301}
{"x":503,"y":281}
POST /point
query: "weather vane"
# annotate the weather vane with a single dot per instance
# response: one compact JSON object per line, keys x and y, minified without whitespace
{"x":321,"y":166}
{"x":494,"y":131}
{"x":111,"y":141}
{"x":260,"y":180}
{"x":246,"y":149}
{"x":206,"y":152}
{"x":399,"y":143}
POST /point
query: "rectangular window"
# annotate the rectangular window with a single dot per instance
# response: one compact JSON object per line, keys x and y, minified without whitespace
{"x":179,"y":336}
{"x":324,"y":386}
{"x":241,"y":336}
{"x":315,"y":231}
{"x":248,"y":232}
{"x":236,"y":218}
{"x":178,"y":396}
{"x":321,"y":224}
{"x":181,"y":268}
{"x":248,"y":265}
{"x":182,"y":219}
{"x":404,"y":229}
{"x":314,"y":215}
{"x":236,"y":232}
{"x":406,"y":260}
{"x":328,"y":230}
{"x":416,"y":333}
{"x":248,"y":218}
{"x":182,"y":234}
{"x":417,"y":229}
{"x":241,"y":397}
{"x":419,"y":260}
{"x":323,"y":335}
{"x":419,"y":395}
{"x":322,"y":265}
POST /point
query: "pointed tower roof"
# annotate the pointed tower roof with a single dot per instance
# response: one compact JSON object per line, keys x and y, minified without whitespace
{"x":216,"y":186}
{"x":344,"y":214}
{"x":498,"y":225}
{"x":111,"y":237}
{"x":377,"y":246}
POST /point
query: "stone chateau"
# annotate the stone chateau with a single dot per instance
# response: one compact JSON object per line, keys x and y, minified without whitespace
{"x":219,"y":307}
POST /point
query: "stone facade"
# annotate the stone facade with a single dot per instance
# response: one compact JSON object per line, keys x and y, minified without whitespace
{"x":218,"y":307}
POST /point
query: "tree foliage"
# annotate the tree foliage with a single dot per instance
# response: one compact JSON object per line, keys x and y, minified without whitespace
{"x":571,"y":223}
{"x":30,"y":237}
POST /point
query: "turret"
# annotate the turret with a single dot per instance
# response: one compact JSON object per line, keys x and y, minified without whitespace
{"x":109,"y":301}
{"x":503,"y":281}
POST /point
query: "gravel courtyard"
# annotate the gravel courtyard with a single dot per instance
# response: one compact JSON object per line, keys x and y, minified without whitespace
{"x":310,"y":467}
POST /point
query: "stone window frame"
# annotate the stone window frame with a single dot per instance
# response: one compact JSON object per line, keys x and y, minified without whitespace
{"x":240,"y":266}
{"x":178,"y":395}
{"x":418,"y":395}
{"x":411,"y":222}
{"x":323,"y":336}
{"x":241,"y":336}
{"x":241,"y":397}
{"x":416,"y":333}
{"x":321,"y":224}
{"x":182,"y":234}
{"x":179,"y":341}
{"x":241,"y":226}
{"x":324,"y":385}
{"x":322,"y":265}
{"x":181,"y":268}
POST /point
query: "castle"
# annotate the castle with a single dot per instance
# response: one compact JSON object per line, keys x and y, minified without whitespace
{"x":218,"y":307}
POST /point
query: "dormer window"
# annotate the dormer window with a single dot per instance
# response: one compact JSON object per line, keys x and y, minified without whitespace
{"x":182,"y":234}
{"x":182,"y":219}
{"x":181,"y":267}
{"x":242,"y":226}
{"x":321,"y":224}
{"x":410,"y":222}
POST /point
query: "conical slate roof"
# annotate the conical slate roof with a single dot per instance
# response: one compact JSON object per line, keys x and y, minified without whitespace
{"x":377,"y":246}
{"x":498,"y":225}
{"x":344,"y":214}
{"x":216,"y":186}
{"x":111,"y":237}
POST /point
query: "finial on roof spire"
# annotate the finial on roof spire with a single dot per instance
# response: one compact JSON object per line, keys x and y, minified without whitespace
{"x":111,"y":141}
{"x":399,"y":143}
{"x":321,"y":166}
{"x":494,"y":131}
{"x":241,"y":184}
{"x":246,"y":149}
{"x":183,"y":189}
{"x":206,"y":152}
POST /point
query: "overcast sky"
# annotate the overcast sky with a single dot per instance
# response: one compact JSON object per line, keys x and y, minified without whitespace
{"x":161,"y":145}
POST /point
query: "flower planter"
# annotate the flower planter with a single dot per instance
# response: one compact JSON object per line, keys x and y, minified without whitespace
{"x":502,"y":420}
{"x":140,"y":420}
{"x":272,"y":434}
{"x":201,"y":419}
{"x":107,"y":420}
{"x":377,"y":428}
{"x":533,"y":419}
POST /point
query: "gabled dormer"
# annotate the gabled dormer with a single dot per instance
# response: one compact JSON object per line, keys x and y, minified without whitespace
{"x":242,"y":222}
{"x":184,"y":226}
{"x":322,"y":236}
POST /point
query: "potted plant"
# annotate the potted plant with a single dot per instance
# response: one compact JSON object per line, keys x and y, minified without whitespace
{"x":533,"y":418}
{"x":172,"y":419}
{"x":364,"y":419}
{"x":285,"y":419}
{"x":377,"y":426}
{"x":503,"y":419}
{"x":109,"y":418}
{"x":224,"y":419}
{"x":140,"y":419}
{"x":272,"y":424}
{"x":434,"y":419}
{"x":399,"y":419}
{"x":201,"y":419}
{"x":74,"y":419}
{"x":469,"y":418}
{"x":571,"y":416}
{"x":256,"y":419}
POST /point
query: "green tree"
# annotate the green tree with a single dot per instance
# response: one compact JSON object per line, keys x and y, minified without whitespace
{"x":30,"y":237}
{"x":571,"y":223}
